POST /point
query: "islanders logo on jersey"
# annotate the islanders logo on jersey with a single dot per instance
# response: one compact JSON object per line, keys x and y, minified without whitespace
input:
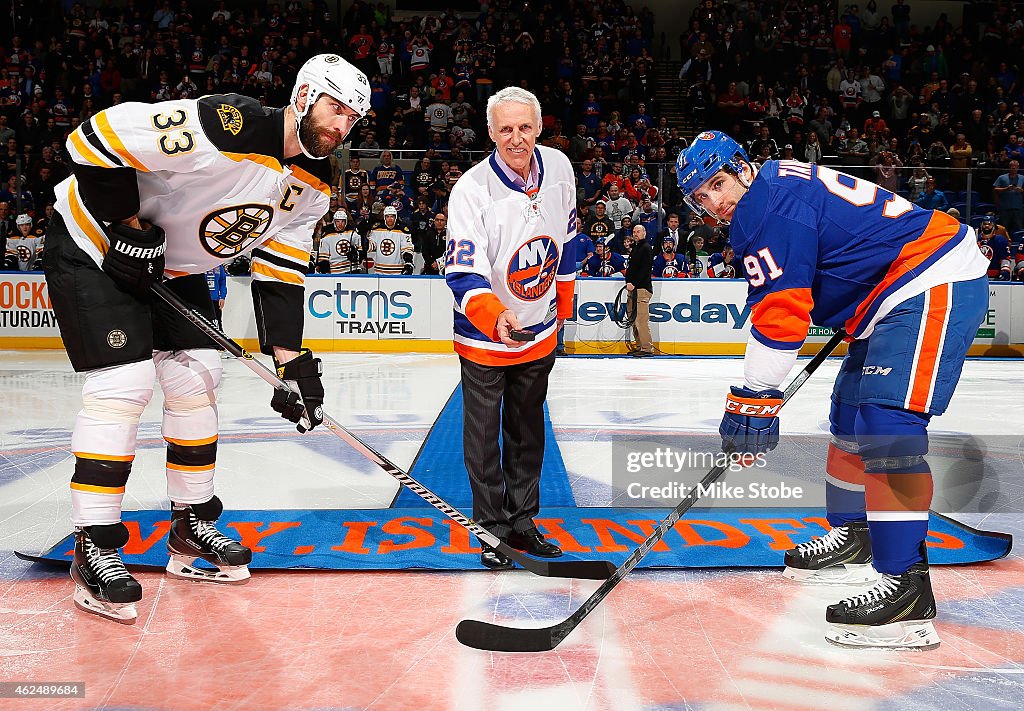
{"x":531,"y":270}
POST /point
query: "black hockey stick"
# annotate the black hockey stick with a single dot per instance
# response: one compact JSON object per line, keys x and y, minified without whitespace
{"x":497,"y":638}
{"x":582,"y":569}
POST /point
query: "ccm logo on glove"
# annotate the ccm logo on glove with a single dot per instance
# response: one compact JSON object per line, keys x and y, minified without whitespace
{"x":761,"y":407}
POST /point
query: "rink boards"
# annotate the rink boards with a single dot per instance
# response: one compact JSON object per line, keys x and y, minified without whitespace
{"x":414,"y":314}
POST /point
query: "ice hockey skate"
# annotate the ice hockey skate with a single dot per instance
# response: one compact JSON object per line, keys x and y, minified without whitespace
{"x":894,"y":614}
{"x":104,"y":586}
{"x":193,"y":536}
{"x":840,"y":557}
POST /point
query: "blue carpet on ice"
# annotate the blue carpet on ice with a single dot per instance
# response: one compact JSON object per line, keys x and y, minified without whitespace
{"x":414,"y":535}
{"x":395,"y":539}
{"x":439,"y":465}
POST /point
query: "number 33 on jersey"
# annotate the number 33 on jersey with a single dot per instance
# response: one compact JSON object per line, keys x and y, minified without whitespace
{"x":210,"y":172}
{"x":819,"y":245}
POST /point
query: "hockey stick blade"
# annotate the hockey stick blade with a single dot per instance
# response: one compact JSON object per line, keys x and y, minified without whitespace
{"x":574,"y":569}
{"x":577,"y":569}
{"x":495,"y":638}
{"x":499,"y":638}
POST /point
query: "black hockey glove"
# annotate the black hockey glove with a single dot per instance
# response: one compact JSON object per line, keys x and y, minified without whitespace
{"x":302,"y":373}
{"x":407,"y":268}
{"x":135,"y":260}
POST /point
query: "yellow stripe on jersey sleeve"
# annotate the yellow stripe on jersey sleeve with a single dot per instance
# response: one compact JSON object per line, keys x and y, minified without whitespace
{"x":263,"y":160}
{"x":86,"y":152}
{"x":310,"y":179}
{"x":262,"y":269}
{"x":82,"y":220}
{"x":107,"y":131}
{"x":288,"y":251}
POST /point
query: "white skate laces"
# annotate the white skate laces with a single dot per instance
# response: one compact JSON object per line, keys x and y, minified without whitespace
{"x":887,"y":585}
{"x":206,"y":532}
{"x":105,"y":562}
{"x":832,"y":540}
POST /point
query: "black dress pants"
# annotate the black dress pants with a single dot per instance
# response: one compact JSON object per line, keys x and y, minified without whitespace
{"x":505,"y":481}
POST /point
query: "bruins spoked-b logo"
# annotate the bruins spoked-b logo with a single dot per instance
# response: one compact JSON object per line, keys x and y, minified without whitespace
{"x":387,"y":247}
{"x":117,"y":338}
{"x":230,"y":118}
{"x":231,"y":230}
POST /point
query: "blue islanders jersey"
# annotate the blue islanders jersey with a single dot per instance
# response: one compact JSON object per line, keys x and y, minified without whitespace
{"x":819,"y":245}
{"x":676,"y":268}
{"x":996,"y":249}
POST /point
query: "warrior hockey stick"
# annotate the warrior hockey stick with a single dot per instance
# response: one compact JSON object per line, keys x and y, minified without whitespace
{"x":582,"y":569}
{"x":497,"y":638}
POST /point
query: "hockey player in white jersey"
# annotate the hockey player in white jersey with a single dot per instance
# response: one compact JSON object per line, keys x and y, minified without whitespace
{"x":341,"y":248}
{"x":23,"y":247}
{"x":390,"y":247}
{"x":171,"y":190}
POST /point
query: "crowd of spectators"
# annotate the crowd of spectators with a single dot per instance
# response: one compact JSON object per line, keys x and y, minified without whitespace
{"x":931,"y":112}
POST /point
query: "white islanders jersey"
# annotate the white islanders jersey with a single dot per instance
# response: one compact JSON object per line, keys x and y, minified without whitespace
{"x":508,"y":249}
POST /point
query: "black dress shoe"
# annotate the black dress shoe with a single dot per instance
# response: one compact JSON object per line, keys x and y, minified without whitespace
{"x":495,"y":559}
{"x":533,"y":543}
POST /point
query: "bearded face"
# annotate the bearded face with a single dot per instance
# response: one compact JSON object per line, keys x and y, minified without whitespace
{"x":318,"y":139}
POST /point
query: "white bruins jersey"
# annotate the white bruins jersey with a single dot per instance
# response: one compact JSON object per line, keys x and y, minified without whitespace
{"x":387,"y":249}
{"x":335,"y":248}
{"x":210,"y":172}
{"x":509,"y":249}
{"x":26,"y":250}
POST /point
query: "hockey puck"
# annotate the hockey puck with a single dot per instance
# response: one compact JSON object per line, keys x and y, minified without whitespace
{"x":521,"y":336}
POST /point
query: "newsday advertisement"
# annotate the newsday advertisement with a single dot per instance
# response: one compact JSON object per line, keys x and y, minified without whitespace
{"x":414,"y":313}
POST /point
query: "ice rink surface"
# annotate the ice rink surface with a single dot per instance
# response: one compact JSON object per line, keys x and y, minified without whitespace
{"x":686,"y":639}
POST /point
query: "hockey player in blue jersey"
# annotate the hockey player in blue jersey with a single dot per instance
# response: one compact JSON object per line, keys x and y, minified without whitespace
{"x":604,"y":262}
{"x":725,"y":265}
{"x":993,"y":243}
{"x":908,"y":285}
{"x":669,"y":264}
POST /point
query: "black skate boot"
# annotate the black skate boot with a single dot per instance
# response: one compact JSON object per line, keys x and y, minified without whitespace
{"x":895,"y":614}
{"x":103,"y":586}
{"x":840,"y":557}
{"x":194,"y":536}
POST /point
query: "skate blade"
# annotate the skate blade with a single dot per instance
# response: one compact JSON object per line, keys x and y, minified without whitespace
{"x":183,"y":568}
{"x":122,"y":613}
{"x":849,"y":574}
{"x":917,"y":635}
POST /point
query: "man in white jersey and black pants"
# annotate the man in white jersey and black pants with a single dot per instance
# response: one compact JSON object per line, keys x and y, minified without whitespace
{"x":511,"y":266}
{"x":174,"y":189}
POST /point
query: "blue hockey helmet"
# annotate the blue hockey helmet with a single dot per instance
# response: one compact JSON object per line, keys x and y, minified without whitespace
{"x":710,"y":152}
